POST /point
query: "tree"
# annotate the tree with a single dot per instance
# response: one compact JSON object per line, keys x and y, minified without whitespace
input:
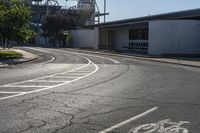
{"x":54,"y":27}
{"x":14,"y":21}
{"x":3,"y":13}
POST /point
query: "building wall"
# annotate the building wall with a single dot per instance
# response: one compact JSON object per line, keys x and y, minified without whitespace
{"x":85,"y":38}
{"x":174,"y":36}
{"x":96,"y":38}
{"x":120,"y":39}
{"x":104,"y":39}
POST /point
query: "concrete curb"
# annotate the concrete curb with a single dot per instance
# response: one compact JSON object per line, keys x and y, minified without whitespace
{"x":3,"y":66}
{"x":148,"y":58}
{"x":24,"y":59}
{"x":27,"y":56}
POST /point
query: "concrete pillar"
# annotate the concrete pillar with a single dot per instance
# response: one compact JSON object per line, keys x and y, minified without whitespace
{"x":96,"y":38}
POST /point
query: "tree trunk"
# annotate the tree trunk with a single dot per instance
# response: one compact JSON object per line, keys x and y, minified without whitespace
{"x":4,"y":43}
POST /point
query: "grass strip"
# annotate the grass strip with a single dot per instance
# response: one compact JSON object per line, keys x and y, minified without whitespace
{"x":4,"y":55}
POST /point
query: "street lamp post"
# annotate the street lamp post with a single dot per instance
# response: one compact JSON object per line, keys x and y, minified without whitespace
{"x":66,"y":33}
{"x":179,"y":51}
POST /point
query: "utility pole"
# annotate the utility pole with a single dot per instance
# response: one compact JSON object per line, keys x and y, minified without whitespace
{"x":104,"y":11}
{"x":37,"y":21}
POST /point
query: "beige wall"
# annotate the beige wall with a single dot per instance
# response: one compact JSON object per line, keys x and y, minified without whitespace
{"x":174,"y":36}
{"x":86,"y":38}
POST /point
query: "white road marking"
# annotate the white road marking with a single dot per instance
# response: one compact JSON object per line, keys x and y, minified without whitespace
{"x":8,"y":92}
{"x":49,"y":76}
{"x":129,"y":120}
{"x":163,"y":126}
{"x":30,"y":92}
{"x":28,"y":86}
{"x":75,"y":73}
{"x":52,"y":59}
{"x":67,"y":76}
{"x":53,"y":86}
{"x":115,"y":61}
{"x":83,"y":71}
{"x":48,"y":81}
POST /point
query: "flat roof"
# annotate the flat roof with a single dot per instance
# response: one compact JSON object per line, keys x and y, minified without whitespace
{"x":193,"y":14}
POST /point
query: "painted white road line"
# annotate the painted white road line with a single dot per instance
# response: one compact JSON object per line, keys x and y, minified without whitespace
{"x":115,"y":61}
{"x":75,"y":74}
{"x":83,"y":71}
{"x":30,"y":92}
{"x":163,"y":126}
{"x":52,"y":58}
{"x":49,"y":76}
{"x":9,"y":92}
{"x":49,"y":61}
{"x":67,"y":76}
{"x":48,"y":81}
{"x":50,"y":87}
{"x":28,"y":86}
{"x":129,"y":120}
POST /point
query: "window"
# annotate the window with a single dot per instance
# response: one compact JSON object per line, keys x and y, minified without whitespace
{"x":138,"y":34}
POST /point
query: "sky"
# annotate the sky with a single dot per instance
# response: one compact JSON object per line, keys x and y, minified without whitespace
{"x":123,"y":9}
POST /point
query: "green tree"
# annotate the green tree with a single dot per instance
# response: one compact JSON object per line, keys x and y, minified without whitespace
{"x":3,"y":13}
{"x":14,"y":21}
{"x":54,"y":27}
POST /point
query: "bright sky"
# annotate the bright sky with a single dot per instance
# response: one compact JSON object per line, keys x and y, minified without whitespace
{"x":123,"y":9}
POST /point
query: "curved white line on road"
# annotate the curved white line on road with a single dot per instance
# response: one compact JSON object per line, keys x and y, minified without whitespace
{"x":52,"y":59}
{"x":50,"y":87}
{"x":8,"y":85}
{"x":55,"y":85}
{"x":113,"y":60}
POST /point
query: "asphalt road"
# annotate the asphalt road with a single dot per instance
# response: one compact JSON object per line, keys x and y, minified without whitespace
{"x":68,"y":92}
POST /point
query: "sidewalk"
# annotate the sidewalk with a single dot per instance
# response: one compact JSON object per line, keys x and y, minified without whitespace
{"x":193,"y":62}
{"x":26,"y":57}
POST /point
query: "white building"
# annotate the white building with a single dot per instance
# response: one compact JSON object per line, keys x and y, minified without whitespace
{"x":171,"y":33}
